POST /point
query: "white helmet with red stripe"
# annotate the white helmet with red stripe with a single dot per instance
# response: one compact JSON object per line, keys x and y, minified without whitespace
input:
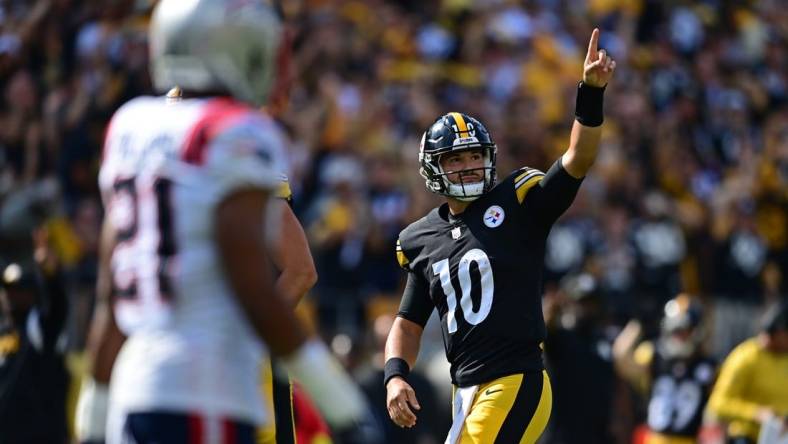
{"x":216,"y":46}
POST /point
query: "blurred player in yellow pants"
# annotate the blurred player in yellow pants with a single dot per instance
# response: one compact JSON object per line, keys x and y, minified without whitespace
{"x":296,"y":276}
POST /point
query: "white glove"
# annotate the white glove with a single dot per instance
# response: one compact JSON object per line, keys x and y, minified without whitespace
{"x":773,"y":432}
{"x":335,"y":394}
{"x":90,"y":422}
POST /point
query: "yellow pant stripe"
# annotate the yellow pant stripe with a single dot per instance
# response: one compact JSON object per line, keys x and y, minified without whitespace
{"x":504,"y":409}
{"x":277,"y":393}
{"x":267,"y":433}
{"x":490,"y":406}
{"x":542,"y":414}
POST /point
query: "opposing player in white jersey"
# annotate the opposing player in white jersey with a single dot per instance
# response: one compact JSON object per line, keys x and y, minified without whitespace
{"x":184,"y":257}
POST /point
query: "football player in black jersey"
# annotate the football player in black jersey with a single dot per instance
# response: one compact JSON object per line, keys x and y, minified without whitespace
{"x":477,"y":259}
{"x":674,"y":372}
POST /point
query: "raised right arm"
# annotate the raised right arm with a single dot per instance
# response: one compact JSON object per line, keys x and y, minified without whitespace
{"x":627,"y":364}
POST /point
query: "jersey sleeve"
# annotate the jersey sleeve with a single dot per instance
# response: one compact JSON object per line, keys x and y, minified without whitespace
{"x":416,"y":305}
{"x":113,"y":143}
{"x":283,"y":191}
{"x":546,"y":196}
{"x":526,"y":179}
{"x":246,"y":154}
{"x":402,"y":260}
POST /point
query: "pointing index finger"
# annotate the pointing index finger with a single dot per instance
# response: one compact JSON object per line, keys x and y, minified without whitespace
{"x":592,"y":54}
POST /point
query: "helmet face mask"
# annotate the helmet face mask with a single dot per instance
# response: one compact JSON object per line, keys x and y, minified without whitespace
{"x":215,"y":46}
{"x":454,"y":133}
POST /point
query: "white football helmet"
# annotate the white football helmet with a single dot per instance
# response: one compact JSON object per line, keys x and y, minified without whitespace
{"x":214,"y":46}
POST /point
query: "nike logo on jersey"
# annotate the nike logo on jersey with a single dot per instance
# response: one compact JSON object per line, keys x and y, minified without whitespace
{"x":490,"y":392}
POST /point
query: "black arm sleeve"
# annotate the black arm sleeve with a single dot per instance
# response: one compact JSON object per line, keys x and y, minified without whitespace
{"x":548,"y":200}
{"x":53,"y":308}
{"x":416,"y":305}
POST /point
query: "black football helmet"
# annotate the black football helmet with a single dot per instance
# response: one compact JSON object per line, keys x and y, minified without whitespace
{"x":455,"y":132}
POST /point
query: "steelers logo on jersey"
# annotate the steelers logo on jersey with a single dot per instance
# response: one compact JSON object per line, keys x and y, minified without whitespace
{"x":493,"y":217}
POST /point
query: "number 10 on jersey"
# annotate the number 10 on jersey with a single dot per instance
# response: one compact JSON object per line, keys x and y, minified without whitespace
{"x":441,"y":269}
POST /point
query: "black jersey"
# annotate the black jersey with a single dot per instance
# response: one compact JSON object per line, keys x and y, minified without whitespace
{"x":482,"y":270}
{"x":33,"y":377}
{"x":679,"y":391}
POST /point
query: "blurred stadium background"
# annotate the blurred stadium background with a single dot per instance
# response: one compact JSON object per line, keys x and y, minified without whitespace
{"x":689,"y":193}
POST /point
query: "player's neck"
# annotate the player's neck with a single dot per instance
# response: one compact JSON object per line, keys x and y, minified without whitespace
{"x":456,"y":206}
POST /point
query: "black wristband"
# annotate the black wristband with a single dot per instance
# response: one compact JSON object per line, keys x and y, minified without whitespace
{"x":395,"y":367}
{"x":589,"y":104}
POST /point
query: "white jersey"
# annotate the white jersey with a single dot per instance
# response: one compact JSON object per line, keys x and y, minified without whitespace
{"x":165,"y":168}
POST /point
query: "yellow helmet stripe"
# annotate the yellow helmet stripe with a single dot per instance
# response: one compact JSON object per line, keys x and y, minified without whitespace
{"x":460,"y":122}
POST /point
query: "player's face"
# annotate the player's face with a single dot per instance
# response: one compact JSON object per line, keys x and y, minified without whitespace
{"x":468,"y":165}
